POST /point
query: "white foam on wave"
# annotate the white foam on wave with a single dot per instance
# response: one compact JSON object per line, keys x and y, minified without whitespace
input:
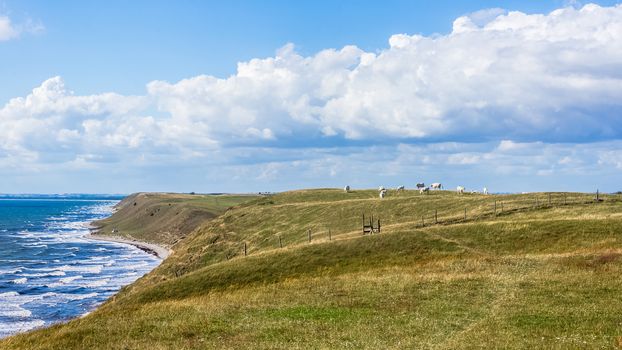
{"x":11,"y":304}
{"x":14,"y":311}
{"x":8,"y":328}
{"x":63,"y":281}
{"x":34,"y":245}
{"x":69,"y":296}
{"x":20,"y":280}
{"x":70,"y":279}
{"x":98,"y":283}
{"x":96,"y":269}
{"x":53,"y":273}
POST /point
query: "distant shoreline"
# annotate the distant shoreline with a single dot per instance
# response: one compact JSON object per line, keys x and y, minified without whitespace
{"x":157,"y":250}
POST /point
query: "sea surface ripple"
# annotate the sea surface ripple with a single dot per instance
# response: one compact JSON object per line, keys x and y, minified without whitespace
{"x":49,"y":271}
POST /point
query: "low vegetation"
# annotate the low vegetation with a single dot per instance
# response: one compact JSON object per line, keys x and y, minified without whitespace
{"x":164,"y":218}
{"x":537,"y":271}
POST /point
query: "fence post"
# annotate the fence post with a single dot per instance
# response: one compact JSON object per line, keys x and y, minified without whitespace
{"x":422,"y":221}
{"x":597,"y":195}
{"x":495,"y":208}
{"x":309,"y":234}
{"x":329,"y":237}
{"x":435,"y":216}
{"x":502,"y":207}
{"x":244,"y":248}
{"x":280,"y":243}
{"x":464,"y":214}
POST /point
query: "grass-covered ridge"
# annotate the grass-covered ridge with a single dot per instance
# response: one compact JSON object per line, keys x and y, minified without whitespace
{"x":165,"y":218}
{"x":535,"y":275}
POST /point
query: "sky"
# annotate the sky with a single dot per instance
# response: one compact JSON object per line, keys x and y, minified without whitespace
{"x":249,"y":96}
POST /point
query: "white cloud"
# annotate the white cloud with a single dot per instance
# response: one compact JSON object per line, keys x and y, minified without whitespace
{"x":504,"y":90}
{"x":7,"y":30}
{"x":550,"y":77}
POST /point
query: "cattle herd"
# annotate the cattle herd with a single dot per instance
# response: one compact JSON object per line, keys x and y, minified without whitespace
{"x":423,"y":189}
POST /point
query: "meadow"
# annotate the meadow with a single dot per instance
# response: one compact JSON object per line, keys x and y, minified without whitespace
{"x":446,"y":271}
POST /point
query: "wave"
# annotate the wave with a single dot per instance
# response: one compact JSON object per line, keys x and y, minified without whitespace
{"x":73,"y":275}
{"x":53,"y":273}
{"x":95,"y":269}
{"x":8,"y":328}
{"x":16,"y":312}
{"x":98,"y":283}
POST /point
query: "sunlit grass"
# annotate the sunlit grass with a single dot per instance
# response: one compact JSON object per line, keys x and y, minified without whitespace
{"x":543,"y":277}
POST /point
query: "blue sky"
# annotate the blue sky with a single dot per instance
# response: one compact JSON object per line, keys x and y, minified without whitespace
{"x":272,"y":95}
{"x":121,"y":45}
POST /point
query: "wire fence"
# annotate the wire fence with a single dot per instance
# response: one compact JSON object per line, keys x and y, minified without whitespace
{"x":495,"y":206}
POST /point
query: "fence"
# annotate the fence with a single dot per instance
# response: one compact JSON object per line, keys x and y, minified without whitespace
{"x":496,"y":206}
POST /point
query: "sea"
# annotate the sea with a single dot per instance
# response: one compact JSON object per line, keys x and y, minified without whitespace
{"x":50,"y":271}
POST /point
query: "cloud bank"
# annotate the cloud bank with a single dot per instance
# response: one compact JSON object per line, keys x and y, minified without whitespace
{"x":512,"y":85}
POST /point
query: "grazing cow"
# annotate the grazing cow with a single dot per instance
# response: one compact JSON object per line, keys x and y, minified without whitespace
{"x":436,"y":186}
{"x":424,"y":190}
{"x":420,"y":185}
{"x":346,"y":189}
{"x":485,"y":190}
{"x":401,"y":188}
{"x":460,"y":189}
{"x":383,"y":193}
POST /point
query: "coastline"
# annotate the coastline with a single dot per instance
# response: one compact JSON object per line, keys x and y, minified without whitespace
{"x":157,"y":250}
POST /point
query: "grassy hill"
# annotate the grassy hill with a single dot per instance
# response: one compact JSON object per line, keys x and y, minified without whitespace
{"x":164,"y":218}
{"x":447,"y":271}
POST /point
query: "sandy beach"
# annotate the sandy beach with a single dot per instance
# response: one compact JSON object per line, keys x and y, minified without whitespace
{"x":159,"y":251}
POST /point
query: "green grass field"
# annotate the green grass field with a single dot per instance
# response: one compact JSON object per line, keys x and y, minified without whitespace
{"x":165,"y":218}
{"x":535,"y":275}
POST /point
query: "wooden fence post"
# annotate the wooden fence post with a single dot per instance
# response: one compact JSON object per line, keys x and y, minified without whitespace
{"x":244,"y":248}
{"x":502,"y":207}
{"x":422,"y":221}
{"x":280,"y":242}
{"x":597,"y":195}
{"x":309,"y":234}
{"x":329,"y":237}
{"x":464,"y":214}
{"x":495,"y":208}
{"x":435,"y":216}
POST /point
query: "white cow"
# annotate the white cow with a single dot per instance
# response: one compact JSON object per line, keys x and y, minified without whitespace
{"x":424,"y":190}
{"x":460,"y":189}
{"x":383,"y":193}
{"x":401,"y":188}
{"x":346,"y":189}
{"x":436,"y":186}
{"x":485,"y":190}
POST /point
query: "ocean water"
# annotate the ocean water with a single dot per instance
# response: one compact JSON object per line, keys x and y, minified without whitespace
{"x":49,"y":271}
